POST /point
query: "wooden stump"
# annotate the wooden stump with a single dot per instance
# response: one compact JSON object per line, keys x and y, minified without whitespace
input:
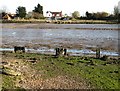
{"x":18,"y":48}
{"x":98,"y":53}
{"x":65,"y":52}
{"x":60,"y":52}
{"x":57,"y":52}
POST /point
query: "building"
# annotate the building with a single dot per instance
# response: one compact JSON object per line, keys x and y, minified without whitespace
{"x":7,"y":17}
{"x":54,"y":15}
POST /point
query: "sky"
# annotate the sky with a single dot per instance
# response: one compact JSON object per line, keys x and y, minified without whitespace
{"x":66,"y":6}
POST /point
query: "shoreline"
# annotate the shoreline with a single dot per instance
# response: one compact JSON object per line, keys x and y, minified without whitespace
{"x":60,"y":21}
{"x":70,"y":52}
{"x":53,"y":26}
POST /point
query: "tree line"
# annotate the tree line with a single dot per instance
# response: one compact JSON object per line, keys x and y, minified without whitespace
{"x":37,"y":13}
{"x":98,"y":15}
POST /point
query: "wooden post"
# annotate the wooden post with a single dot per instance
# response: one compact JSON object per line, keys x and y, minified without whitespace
{"x":65,"y":51}
{"x":23,"y":49}
{"x":57,"y":51}
{"x":61,"y":52}
{"x":19,"y":48}
{"x":98,"y":52}
{"x":15,"y":49}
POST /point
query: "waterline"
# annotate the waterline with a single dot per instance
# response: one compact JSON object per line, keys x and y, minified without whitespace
{"x":76,"y":52}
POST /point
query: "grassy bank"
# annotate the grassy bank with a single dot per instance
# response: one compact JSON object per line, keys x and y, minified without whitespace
{"x":98,"y":74}
{"x":60,"y":21}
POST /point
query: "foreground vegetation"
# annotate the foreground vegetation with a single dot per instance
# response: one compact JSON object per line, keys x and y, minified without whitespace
{"x":98,"y":74}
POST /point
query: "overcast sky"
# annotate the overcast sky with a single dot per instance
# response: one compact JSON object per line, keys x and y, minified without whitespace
{"x":67,"y":6}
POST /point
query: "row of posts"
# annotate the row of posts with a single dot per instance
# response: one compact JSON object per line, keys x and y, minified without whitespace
{"x":63,"y":52}
{"x":59,"y":51}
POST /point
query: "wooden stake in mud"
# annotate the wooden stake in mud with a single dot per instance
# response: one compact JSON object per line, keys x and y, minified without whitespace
{"x":65,"y":51}
{"x":57,"y":51}
{"x":18,"y":48}
{"x":98,"y":52}
{"x":60,"y":52}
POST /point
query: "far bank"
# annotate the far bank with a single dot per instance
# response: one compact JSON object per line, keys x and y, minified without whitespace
{"x":59,"y":21}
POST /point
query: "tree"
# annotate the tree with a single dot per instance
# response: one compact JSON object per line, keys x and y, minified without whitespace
{"x":21,"y":11}
{"x":2,"y":14}
{"x":104,"y":14}
{"x":36,"y":15}
{"x":29,"y":15}
{"x":65,"y":15}
{"x":38,"y":9}
{"x":88,"y":15}
{"x":76,"y":14}
{"x":97,"y":15}
{"x":3,"y":11}
{"x":116,"y":11}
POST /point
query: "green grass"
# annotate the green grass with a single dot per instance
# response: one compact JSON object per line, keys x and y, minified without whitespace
{"x":7,"y":81}
{"x":98,"y":75}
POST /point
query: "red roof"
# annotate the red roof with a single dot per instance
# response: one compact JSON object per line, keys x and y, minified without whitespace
{"x":55,"y":13}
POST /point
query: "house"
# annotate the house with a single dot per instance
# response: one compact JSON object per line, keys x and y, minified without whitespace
{"x":54,"y":15}
{"x":8,"y":16}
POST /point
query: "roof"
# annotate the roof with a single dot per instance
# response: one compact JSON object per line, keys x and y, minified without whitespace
{"x":7,"y":17}
{"x":56,"y":12}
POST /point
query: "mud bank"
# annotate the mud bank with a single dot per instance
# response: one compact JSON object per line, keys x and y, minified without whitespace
{"x":62,"y":26}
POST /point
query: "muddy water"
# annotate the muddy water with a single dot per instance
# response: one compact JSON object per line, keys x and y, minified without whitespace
{"x":36,"y":36}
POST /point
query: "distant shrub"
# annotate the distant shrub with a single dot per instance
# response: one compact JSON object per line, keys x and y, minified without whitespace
{"x":38,"y":16}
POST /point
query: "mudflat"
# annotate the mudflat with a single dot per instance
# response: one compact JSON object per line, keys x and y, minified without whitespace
{"x":73,"y":36}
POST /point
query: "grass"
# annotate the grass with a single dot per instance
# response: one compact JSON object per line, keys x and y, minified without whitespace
{"x":7,"y":81}
{"x":97,"y":74}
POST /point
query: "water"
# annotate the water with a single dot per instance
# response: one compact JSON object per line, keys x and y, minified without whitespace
{"x":55,"y":35}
